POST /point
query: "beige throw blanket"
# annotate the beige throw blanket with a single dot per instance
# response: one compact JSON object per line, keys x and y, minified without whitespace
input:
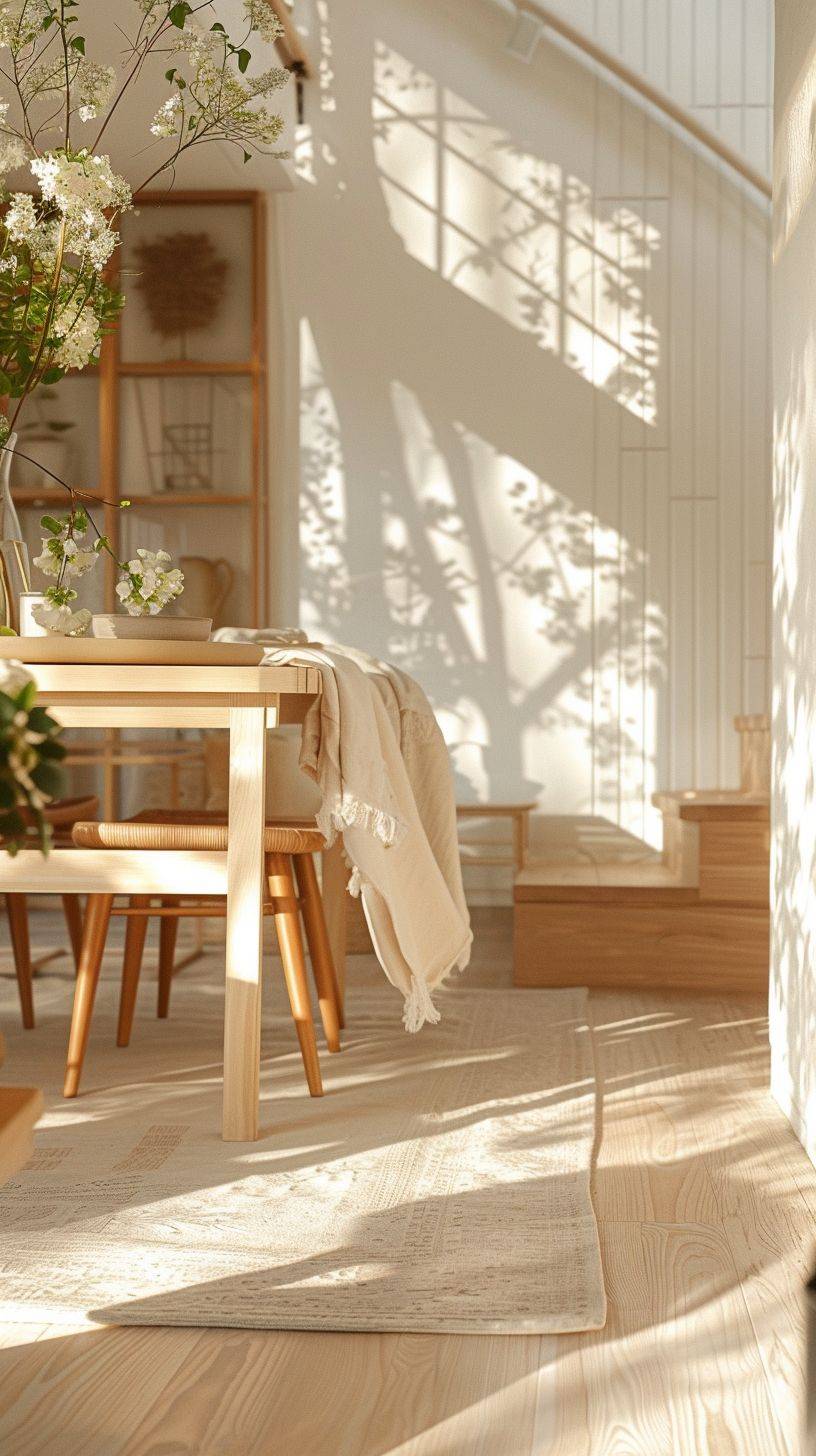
{"x":373,"y":747}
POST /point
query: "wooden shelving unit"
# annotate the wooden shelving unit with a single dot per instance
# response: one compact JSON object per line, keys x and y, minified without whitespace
{"x":115,"y":367}
{"x":126,"y":386}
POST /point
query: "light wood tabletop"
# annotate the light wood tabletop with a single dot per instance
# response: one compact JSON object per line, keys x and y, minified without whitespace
{"x":246,"y":699}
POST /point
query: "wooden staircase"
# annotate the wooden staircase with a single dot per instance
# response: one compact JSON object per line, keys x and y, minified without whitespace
{"x":599,"y":907}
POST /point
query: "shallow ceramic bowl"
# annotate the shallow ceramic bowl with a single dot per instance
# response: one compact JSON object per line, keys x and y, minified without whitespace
{"x":162,"y":629}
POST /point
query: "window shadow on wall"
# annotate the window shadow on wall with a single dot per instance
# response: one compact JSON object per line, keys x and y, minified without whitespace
{"x":474,"y":329}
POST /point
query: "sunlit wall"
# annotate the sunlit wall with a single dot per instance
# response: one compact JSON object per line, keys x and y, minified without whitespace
{"x":533,"y":407}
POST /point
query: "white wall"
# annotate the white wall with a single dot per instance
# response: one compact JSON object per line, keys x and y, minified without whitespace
{"x":793,"y":955}
{"x":533,"y":388}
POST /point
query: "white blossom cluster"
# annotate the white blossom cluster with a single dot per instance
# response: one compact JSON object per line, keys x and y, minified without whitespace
{"x":82,"y":189}
{"x":147,"y":586}
{"x":62,"y":556}
{"x":21,"y":21}
{"x":21,"y":217}
{"x":81,"y":336}
{"x":60,"y":619}
{"x":94,"y":87}
{"x":221,"y":105}
{"x":168,"y":118}
{"x":12,"y":154}
{"x":224,"y":106}
{"x":78,"y":181}
{"x":262,"y":19}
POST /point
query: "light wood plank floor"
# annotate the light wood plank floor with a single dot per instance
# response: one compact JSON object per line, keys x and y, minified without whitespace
{"x":707,"y":1207}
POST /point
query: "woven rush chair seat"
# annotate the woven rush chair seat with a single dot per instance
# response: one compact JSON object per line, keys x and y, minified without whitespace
{"x":292,"y":892}
{"x":149,"y":830}
{"x":62,"y":815}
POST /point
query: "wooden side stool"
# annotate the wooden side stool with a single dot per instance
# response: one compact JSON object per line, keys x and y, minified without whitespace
{"x":512,"y":851}
{"x":289,"y":863}
{"x":62,"y":815}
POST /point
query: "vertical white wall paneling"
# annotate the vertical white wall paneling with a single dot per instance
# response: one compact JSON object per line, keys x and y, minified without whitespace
{"x":706,"y":608}
{"x":732,"y":329}
{"x":536,"y":468}
{"x":682,"y":600}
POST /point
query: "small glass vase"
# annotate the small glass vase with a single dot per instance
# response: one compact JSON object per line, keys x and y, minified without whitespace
{"x":27,"y":601}
{"x":14,"y":567}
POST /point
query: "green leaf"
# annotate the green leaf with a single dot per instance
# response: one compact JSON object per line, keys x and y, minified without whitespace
{"x":7,"y":632}
{"x":52,"y":749}
{"x":38,"y":719}
{"x":177,"y":14}
{"x":171,"y":74}
{"x":244,"y":58}
{"x":11,"y":824}
{"x":48,"y":778}
{"x":50,"y":523}
{"x":27,"y":697}
{"x":77,"y":43}
{"x":247,"y":157}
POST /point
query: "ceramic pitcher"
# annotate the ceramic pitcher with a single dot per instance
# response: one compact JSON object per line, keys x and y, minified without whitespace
{"x":207,"y":582}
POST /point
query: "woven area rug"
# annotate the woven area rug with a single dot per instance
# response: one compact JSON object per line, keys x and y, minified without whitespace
{"x":442,"y":1184}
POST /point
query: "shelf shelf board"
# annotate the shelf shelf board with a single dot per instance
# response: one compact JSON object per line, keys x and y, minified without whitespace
{"x":191,"y":498}
{"x":30,"y":496}
{"x":188,"y":368}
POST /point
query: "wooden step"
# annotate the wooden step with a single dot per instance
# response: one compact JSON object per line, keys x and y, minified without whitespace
{"x":713,"y":805}
{"x":647,"y":881}
{"x":721,"y":839}
{"x":600,"y":907}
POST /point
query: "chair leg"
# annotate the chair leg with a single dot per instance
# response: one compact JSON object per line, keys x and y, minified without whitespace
{"x":131,"y":967}
{"x":17,"y":909}
{"x":317,"y":937}
{"x":72,"y":909}
{"x":290,"y":940}
{"x":168,"y":932}
{"x":97,"y":919}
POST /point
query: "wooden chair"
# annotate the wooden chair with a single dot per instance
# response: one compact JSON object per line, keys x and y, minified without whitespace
{"x":62,"y":815}
{"x":288,"y":850}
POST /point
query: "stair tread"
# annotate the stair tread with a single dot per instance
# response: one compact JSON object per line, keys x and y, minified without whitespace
{"x":589,"y":879}
{"x":712,"y":804}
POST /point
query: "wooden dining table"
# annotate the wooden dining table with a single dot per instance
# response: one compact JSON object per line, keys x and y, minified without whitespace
{"x":246,"y":699}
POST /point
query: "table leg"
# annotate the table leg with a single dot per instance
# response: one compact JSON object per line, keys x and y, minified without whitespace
{"x":244,"y":948}
{"x":335,"y":901}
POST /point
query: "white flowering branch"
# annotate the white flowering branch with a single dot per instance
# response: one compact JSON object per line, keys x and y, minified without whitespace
{"x":55,"y":300}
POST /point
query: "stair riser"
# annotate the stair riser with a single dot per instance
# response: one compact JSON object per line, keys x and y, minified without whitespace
{"x":735,"y":863}
{"x":693,"y":947}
